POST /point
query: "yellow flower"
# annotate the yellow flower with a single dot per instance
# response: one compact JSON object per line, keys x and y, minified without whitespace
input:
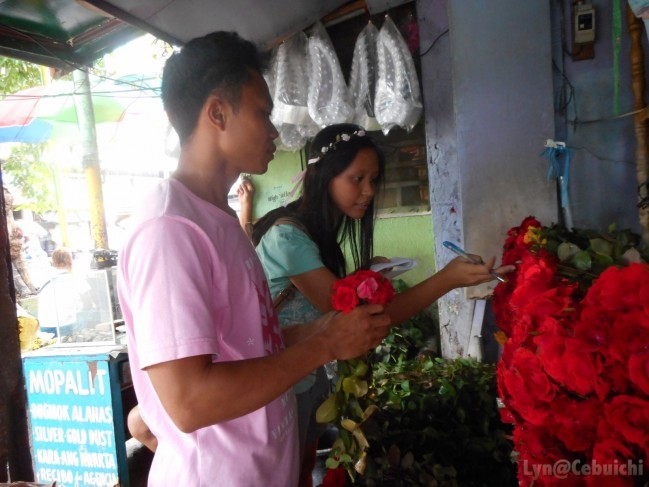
{"x":533,"y":237}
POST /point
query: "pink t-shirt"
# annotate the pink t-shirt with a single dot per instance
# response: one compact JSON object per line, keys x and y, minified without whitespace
{"x":190,"y":284}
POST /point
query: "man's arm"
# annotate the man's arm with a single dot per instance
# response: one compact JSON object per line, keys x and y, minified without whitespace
{"x":196,"y":392}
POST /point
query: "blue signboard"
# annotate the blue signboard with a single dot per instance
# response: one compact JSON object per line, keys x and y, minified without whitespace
{"x":71,"y":412}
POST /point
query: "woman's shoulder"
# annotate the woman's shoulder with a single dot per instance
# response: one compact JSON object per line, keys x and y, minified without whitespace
{"x":286,"y":231}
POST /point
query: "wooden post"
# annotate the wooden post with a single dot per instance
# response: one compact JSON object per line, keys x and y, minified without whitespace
{"x":636,"y":30}
{"x":15,"y":456}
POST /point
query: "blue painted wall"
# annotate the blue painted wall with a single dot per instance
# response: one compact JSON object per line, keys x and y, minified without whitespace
{"x":603,"y":179}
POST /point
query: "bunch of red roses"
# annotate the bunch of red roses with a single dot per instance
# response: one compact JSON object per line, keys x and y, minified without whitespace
{"x":348,"y":407}
{"x":361,"y":287}
{"x":574,"y":373}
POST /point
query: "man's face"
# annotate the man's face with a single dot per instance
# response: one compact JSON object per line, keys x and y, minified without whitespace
{"x":249,"y":145}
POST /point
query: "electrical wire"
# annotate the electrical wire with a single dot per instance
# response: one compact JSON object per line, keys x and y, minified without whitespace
{"x":434,"y":42}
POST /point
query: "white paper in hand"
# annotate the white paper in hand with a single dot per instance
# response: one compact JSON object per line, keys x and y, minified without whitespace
{"x":399,"y":265}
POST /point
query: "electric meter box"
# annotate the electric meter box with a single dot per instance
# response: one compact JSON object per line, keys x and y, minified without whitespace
{"x":584,"y":28}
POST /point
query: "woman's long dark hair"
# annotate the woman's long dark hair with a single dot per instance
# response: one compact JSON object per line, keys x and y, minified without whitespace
{"x":329,"y":228}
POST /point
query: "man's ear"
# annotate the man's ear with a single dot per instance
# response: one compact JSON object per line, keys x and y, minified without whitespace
{"x":215,"y":109}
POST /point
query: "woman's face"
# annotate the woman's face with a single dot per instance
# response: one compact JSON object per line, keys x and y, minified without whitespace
{"x":353,"y":189}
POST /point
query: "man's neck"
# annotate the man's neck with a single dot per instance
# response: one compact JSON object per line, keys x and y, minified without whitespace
{"x":209,"y":184}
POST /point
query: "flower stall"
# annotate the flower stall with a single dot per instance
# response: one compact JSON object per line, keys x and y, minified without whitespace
{"x":573,"y":375}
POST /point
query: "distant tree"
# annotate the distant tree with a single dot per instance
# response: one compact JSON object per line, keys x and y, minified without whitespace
{"x":17,"y":75}
{"x":32,"y":176}
{"x":24,"y":166}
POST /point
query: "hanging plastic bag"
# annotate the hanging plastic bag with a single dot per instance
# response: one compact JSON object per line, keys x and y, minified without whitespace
{"x":398,"y":100}
{"x":288,"y":78}
{"x":362,"y":80}
{"x":328,"y":99}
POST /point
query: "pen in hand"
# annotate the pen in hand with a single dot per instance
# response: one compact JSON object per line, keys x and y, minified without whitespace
{"x":457,"y":250}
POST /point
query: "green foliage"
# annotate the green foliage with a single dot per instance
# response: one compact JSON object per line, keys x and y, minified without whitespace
{"x":437,"y":424}
{"x":17,"y":75}
{"x":585,"y":254}
{"x":25,"y":166}
{"x":433,"y":422}
{"x":350,"y":406}
{"x":32,"y":176}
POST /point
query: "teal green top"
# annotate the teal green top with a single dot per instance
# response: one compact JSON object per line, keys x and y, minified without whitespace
{"x":286,"y":251}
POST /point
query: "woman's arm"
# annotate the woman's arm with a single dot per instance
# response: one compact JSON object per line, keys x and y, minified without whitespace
{"x":245,"y":192}
{"x":316,"y":285}
{"x":457,"y":273}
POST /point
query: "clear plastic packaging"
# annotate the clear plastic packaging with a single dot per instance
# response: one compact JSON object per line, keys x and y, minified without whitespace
{"x":362,"y":80}
{"x":289,"y":85}
{"x":398,"y":98}
{"x":328,"y":99}
{"x":79,"y":309}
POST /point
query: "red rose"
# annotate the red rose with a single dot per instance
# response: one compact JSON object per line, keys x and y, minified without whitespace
{"x":609,"y":450}
{"x":613,"y":452}
{"x":594,"y":327}
{"x":582,"y":368}
{"x":616,"y":376}
{"x":506,"y":414}
{"x":556,"y":301}
{"x":639,"y":371}
{"x":521,"y":335}
{"x":362,"y":286}
{"x":576,"y":422}
{"x":383,"y":294}
{"x":335,"y":477}
{"x":344,"y":299}
{"x":517,"y":234}
{"x":630,"y":334}
{"x":528,"y":387}
{"x":537,"y":447}
{"x":619,"y":288}
{"x":629,"y":416}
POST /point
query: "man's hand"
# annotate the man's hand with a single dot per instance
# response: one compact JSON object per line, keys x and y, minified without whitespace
{"x":349,"y":335}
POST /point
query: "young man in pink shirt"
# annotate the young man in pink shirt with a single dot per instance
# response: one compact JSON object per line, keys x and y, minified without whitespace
{"x":211,"y":368}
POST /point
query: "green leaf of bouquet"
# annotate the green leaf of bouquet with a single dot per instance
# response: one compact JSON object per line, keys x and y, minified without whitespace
{"x":371,"y":409}
{"x":349,"y":424}
{"x":355,"y":386}
{"x":346,"y":438}
{"x":603,"y":260}
{"x":361,"y":369}
{"x":327,"y":411}
{"x":582,"y":260}
{"x":360,"y":438}
{"x":566,"y":251}
{"x":332,"y":463}
{"x":601,"y":246}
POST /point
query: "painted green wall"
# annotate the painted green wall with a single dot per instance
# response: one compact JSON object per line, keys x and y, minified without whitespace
{"x":405,"y":236}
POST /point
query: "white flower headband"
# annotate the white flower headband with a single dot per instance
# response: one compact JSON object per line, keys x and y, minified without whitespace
{"x":299,"y":178}
{"x":332,"y":145}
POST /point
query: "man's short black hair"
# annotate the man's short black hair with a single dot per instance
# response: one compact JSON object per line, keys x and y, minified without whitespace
{"x":220,"y":62}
